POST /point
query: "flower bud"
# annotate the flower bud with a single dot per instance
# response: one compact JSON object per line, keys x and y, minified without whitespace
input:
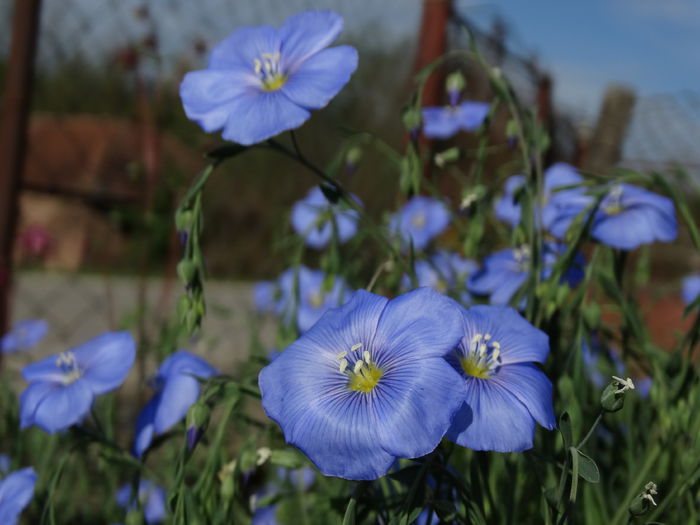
{"x":447,"y":156}
{"x":613,"y":397}
{"x":352,"y":159}
{"x":186,"y":271}
{"x":454,"y":84}
{"x":196,"y":424}
{"x":412,"y":121}
{"x":643,"y":502}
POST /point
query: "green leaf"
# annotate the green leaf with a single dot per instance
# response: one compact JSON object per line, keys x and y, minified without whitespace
{"x":587,"y":468}
{"x":350,"y":511}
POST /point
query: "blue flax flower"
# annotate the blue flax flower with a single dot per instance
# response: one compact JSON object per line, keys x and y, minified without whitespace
{"x":177,"y":389}
{"x":420,"y":220}
{"x":368,"y":383}
{"x":690,"y":289}
{"x":23,"y":335}
{"x":264,"y":296}
{"x":151,"y":499}
{"x":505,"y":271}
{"x":443,"y":122}
{"x":16,"y":491}
{"x":445,"y":272}
{"x":261,"y":81}
{"x":316,"y":296}
{"x":505,"y":392}
{"x":62,"y":387}
{"x":313,"y":218}
{"x":556,"y":176}
{"x":628,"y":216}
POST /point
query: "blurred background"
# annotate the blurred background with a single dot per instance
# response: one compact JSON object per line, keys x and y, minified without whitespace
{"x":87,"y":199}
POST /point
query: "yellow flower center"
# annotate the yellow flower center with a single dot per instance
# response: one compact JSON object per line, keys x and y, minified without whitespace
{"x":613,"y":204}
{"x":316,"y":300}
{"x":418,"y":220}
{"x":364,"y":375}
{"x":69,"y":365}
{"x":268,"y":69}
{"x":482,"y":358}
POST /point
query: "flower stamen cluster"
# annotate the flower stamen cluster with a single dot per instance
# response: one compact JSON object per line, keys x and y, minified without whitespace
{"x":69,"y":366}
{"x":268,"y":69}
{"x":482,"y":357}
{"x":364,"y":374}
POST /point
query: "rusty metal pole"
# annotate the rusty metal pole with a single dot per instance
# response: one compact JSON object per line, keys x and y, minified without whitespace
{"x":13,"y":136}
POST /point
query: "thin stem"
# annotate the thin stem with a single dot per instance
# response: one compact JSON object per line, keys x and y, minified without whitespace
{"x":590,"y":432}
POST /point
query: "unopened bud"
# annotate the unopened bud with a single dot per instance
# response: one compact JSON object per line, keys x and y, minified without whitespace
{"x":186,"y":271}
{"x":454,"y":84}
{"x":196,"y":423}
{"x":412,"y":120}
{"x":352,"y":159}
{"x":263,"y":454}
{"x":447,"y":156}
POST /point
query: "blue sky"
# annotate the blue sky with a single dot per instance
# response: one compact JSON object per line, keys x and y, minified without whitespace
{"x":651,"y":45}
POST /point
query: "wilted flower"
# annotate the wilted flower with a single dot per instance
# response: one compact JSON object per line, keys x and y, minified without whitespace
{"x":62,"y":387}
{"x":628,"y":216}
{"x":317,"y":294}
{"x":368,"y":383}
{"x":420,"y":220}
{"x":690,"y":289}
{"x":151,"y":498}
{"x":261,"y":81}
{"x":313,"y":219}
{"x":177,"y":389}
{"x":16,"y":491}
{"x":556,"y":176}
{"x":505,"y":271}
{"x":442,"y":122}
{"x":23,"y":335}
{"x":505,"y":392}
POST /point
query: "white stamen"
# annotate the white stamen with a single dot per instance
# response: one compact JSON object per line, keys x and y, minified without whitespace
{"x":624,"y":384}
{"x":487,"y":337}
{"x":365,"y":354}
{"x":358,"y":366}
{"x":356,"y":346}
{"x":341,"y":355}
{"x":343,"y":365}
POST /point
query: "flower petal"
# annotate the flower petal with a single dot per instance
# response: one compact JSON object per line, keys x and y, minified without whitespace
{"x":179,"y":394}
{"x":422,"y":396}
{"x":306,"y":33}
{"x":43,"y":370}
{"x":254,"y":117}
{"x":145,"y":430}
{"x":520,"y":341}
{"x":439,"y":122}
{"x":492,"y":418}
{"x":244,"y":46}
{"x":633,"y":227}
{"x":532,"y":388}
{"x":472,"y":114}
{"x":16,"y":491}
{"x":418,"y":324}
{"x":206,"y":95}
{"x":321,"y":77}
{"x":184,"y":362}
{"x":30,"y":399}
{"x":106,"y":360}
{"x":63,"y":407}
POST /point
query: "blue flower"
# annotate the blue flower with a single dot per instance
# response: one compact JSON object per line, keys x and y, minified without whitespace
{"x":420,"y":220}
{"x":445,"y":272}
{"x":505,"y":271}
{"x":505,"y":392}
{"x":265,"y":516}
{"x":317,"y":294}
{"x":442,"y":122}
{"x":23,"y":336}
{"x":16,"y":491}
{"x":261,"y":81}
{"x":177,"y":389}
{"x":556,"y":176}
{"x":62,"y":387}
{"x":628,"y":216}
{"x":265,"y":296}
{"x":597,"y":359}
{"x":313,"y":218}
{"x":690,"y":289}
{"x":151,"y":498}
{"x":368,"y":383}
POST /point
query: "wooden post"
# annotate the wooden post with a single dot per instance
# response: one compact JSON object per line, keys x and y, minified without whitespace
{"x":605,"y":148}
{"x":13,"y":137}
